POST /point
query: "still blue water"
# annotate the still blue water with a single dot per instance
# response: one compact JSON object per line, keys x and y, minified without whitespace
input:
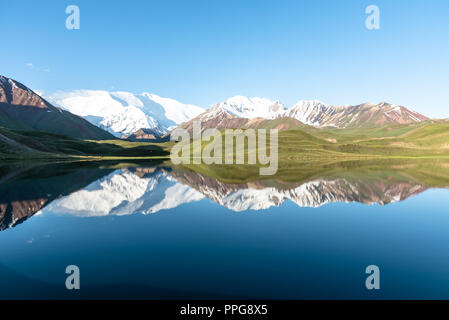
{"x":202,"y":249}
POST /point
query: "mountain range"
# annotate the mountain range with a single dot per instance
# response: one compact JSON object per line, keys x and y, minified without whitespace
{"x":318,"y":114}
{"x":124,"y":113}
{"x":94,"y":114}
{"x":253,"y":112}
{"x":90,"y":191}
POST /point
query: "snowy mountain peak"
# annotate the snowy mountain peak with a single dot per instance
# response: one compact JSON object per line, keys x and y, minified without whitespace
{"x":319,"y":114}
{"x":307,"y":105}
{"x":174,"y":110}
{"x":251,"y":108}
{"x":310,"y":111}
{"x":384,"y":104}
{"x":123,"y":113}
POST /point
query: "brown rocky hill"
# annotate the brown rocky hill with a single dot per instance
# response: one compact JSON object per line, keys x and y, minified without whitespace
{"x":23,"y":109}
{"x":143,"y":134}
{"x":305,"y":113}
{"x":318,"y":114}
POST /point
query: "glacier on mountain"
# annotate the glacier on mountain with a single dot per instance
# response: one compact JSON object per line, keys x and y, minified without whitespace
{"x":123,"y":113}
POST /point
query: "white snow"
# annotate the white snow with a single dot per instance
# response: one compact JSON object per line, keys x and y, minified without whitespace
{"x":251,"y":108}
{"x":124,"y":113}
{"x":122,"y":193}
{"x":175,"y":110}
{"x":310,"y":112}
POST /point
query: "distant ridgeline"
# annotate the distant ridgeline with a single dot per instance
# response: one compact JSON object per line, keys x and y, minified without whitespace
{"x":31,"y":127}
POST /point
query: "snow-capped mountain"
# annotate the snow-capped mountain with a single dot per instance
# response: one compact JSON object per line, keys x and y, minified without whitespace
{"x":246,"y":108}
{"x":319,"y":114}
{"x":123,"y":113}
{"x":236,"y":112}
{"x":250,"y":108}
{"x":310,"y":112}
{"x":241,"y":112}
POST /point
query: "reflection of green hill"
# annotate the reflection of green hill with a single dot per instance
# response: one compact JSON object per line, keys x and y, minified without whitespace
{"x":369,"y":181}
{"x":28,"y":190}
{"x":428,"y":172}
{"x":25,"y":189}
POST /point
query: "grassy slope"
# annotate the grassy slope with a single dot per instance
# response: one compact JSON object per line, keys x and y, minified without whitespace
{"x":428,"y":139}
{"x":49,"y":119}
{"x":43,"y":145}
{"x":305,"y":152}
{"x":302,"y":145}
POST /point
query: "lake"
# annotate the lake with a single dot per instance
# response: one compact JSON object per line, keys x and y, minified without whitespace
{"x":152,"y":231}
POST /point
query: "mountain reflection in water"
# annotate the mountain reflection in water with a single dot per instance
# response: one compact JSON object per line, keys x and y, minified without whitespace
{"x":96,"y":189}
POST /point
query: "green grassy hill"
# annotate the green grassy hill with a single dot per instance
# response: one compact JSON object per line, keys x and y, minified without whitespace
{"x":50,"y":119}
{"x":302,"y":151}
{"x":303,"y":144}
{"x":19,"y":145}
{"x":428,"y":139}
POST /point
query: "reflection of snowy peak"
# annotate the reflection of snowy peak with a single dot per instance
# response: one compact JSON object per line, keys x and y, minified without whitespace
{"x":149,"y":190}
{"x":257,"y":195}
{"x":124,"y":192}
{"x":123,"y":113}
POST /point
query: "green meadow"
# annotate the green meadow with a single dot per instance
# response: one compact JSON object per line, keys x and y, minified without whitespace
{"x":307,"y":151}
{"x":303,"y":151}
{"x":36,"y":145}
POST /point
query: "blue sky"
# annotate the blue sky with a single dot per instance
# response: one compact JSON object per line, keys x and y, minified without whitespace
{"x":204,"y":51}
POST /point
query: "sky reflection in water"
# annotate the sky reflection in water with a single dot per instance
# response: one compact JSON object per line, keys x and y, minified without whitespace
{"x":157,"y":232}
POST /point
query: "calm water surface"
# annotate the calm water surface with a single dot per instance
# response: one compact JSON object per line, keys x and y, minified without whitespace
{"x":149,"y":231}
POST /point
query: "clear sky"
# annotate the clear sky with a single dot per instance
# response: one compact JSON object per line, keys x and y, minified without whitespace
{"x":204,"y":51}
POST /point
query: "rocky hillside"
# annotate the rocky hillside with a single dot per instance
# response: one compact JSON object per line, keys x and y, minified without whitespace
{"x":124,"y":113}
{"x":241,"y":112}
{"x":143,"y":135}
{"x":319,"y":114}
{"x":23,"y":109}
{"x":236,"y":112}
